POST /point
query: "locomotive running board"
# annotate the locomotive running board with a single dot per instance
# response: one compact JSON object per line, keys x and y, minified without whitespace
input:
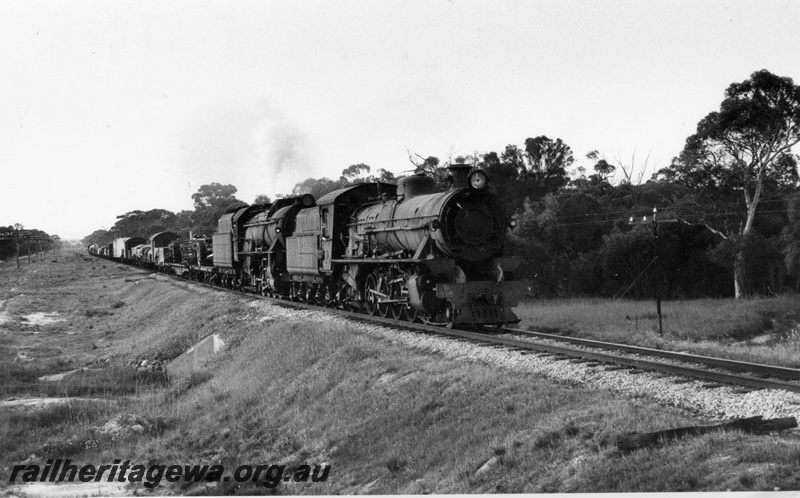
{"x":381,"y":260}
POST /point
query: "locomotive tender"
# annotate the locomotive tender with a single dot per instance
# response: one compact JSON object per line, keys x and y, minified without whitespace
{"x":402,"y":250}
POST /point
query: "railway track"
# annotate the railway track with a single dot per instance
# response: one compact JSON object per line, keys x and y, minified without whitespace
{"x":710,"y":369}
{"x":710,"y":361}
{"x":604,"y":353}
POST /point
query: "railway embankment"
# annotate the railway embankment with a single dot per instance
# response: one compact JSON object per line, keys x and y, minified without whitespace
{"x":390,"y":412}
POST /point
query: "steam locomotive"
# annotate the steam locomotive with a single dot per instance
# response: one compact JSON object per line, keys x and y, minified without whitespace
{"x":402,"y":250}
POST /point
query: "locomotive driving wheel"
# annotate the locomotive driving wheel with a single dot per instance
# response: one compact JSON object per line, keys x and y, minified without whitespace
{"x":410,"y":313}
{"x":449,"y":314}
{"x":397,"y":311}
{"x":383,"y":309}
{"x":397,"y":308}
{"x":370,"y":298}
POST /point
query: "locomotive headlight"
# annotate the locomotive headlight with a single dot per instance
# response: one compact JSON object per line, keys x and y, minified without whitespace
{"x":478,"y":180}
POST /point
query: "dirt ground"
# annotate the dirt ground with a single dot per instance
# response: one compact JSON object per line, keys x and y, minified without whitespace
{"x":58,"y":315}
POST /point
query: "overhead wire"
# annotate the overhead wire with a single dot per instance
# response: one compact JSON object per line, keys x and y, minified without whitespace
{"x":686,"y":207}
{"x":667,"y":211}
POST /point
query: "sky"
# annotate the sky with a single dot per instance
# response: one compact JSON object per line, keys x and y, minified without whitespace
{"x":111,"y":106}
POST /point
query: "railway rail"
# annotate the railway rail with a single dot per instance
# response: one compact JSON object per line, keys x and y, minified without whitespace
{"x":714,"y":370}
{"x":603,"y":353}
{"x":741,"y":366}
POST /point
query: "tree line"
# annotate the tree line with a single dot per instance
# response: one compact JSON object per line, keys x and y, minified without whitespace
{"x":211,"y":201}
{"x":731,"y":198}
{"x":16,"y":239}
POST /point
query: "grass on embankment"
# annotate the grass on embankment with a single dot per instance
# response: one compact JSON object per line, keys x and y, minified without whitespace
{"x":762,"y":330}
{"x":393,"y":421}
{"x":386,"y":418}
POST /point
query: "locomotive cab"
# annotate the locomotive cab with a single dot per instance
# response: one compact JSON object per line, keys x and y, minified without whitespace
{"x":314,"y":252}
{"x":319,"y":237}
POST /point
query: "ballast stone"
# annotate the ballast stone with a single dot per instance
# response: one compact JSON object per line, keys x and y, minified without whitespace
{"x":184,"y":365}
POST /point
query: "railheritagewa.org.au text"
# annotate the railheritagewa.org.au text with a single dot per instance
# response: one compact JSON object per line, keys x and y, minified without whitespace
{"x":153,"y":475}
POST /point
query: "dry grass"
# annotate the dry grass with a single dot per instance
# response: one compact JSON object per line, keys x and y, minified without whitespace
{"x":757,"y":330}
{"x":34,"y":431}
{"x":311,"y":392}
{"x":391,"y":421}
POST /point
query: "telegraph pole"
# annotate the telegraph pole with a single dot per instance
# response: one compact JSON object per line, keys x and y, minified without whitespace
{"x":655,"y":223}
{"x":14,"y":235}
{"x":52,"y":245}
{"x":658,"y":273}
{"x":17,"y":235}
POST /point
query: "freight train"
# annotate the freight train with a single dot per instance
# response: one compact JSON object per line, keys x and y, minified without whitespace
{"x":401,"y":250}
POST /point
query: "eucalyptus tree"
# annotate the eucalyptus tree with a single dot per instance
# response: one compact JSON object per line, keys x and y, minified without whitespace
{"x":210,"y":202}
{"x":548,"y":161}
{"x":738,"y":154}
{"x":791,"y":240}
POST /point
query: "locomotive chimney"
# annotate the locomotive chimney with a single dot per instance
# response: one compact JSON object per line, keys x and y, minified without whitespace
{"x":414,"y":185}
{"x":458,"y":175}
